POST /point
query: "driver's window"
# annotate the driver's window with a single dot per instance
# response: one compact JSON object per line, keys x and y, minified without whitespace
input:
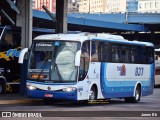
{"x":8,"y":39}
{"x":85,"y":59}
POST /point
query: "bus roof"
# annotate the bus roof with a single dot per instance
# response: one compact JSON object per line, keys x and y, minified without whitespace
{"x":81,"y":37}
{"x":69,"y":37}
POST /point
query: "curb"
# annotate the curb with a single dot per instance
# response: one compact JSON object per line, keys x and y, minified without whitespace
{"x":3,"y":102}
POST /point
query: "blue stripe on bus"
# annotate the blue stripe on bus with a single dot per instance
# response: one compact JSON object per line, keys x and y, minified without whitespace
{"x":111,"y":89}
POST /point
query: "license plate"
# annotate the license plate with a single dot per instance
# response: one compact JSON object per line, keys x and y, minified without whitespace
{"x":48,"y":95}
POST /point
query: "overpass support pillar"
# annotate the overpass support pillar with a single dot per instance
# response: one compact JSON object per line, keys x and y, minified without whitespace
{"x":24,"y":20}
{"x":136,"y":36}
{"x":61,"y":16}
{"x":152,"y":36}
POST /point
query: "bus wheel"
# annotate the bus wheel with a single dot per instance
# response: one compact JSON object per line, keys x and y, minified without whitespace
{"x":92,"y":94}
{"x":136,"y":98}
{"x":48,"y":101}
{"x":2,"y":87}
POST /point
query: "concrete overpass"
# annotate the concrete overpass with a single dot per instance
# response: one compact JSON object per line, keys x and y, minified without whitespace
{"x":139,"y":26}
{"x":148,"y":19}
{"x":135,"y":24}
{"x":90,"y":23}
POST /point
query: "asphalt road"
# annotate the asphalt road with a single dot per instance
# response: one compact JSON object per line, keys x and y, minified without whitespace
{"x":112,"y":109}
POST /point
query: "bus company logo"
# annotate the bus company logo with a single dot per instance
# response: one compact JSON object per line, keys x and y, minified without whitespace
{"x":13,"y":53}
{"x":43,"y":45}
{"x":122,"y":70}
{"x":49,"y":88}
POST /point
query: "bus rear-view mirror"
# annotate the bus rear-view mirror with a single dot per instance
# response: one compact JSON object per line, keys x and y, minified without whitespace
{"x":77,"y":58}
{"x":22,"y":54}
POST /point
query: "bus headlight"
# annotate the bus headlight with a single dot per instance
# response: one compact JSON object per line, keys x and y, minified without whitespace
{"x":69,"y":89}
{"x":31,"y":87}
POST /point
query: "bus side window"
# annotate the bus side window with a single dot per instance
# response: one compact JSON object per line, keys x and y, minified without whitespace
{"x":94,"y":52}
{"x":150,"y":55}
{"x":137,"y":55}
{"x":17,"y":38}
{"x":116,"y":54}
{"x":105,"y":54}
{"x":132,"y":56}
{"x":12,"y":38}
{"x":125,"y":56}
{"x":8,"y":39}
{"x":84,"y":61}
{"x":100,"y":51}
{"x":143,"y":55}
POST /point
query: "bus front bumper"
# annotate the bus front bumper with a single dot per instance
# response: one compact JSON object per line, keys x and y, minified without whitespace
{"x":57,"y":95}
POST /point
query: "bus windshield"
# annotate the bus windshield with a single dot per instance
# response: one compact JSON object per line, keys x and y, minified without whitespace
{"x":53,"y":61}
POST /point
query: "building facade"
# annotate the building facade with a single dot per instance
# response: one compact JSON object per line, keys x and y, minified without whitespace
{"x":149,"y":6}
{"x":73,"y":6}
{"x":50,"y":4}
{"x":92,"y":6}
{"x":115,"y":6}
{"x":108,"y":6}
{"x":121,"y":6}
{"x":131,"y":5}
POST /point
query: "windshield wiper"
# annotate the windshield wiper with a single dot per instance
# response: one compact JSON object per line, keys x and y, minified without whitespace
{"x":59,"y":75}
{"x":43,"y":67}
{"x":44,"y":61}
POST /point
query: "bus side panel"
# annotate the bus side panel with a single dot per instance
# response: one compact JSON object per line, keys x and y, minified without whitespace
{"x":92,"y":78}
{"x":119,"y":80}
{"x":113,"y":81}
{"x":152,"y":78}
{"x":10,"y":68}
{"x":83,"y":90}
{"x":107,"y":87}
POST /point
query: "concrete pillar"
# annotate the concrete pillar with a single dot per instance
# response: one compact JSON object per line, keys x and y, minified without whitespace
{"x":24,"y":20}
{"x":61,"y":16}
{"x":136,"y":36}
{"x":152,"y":36}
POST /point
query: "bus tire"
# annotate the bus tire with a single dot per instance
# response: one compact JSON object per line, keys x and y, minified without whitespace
{"x":48,"y":101}
{"x":137,"y":96}
{"x":2,"y":87}
{"x":92,"y":94}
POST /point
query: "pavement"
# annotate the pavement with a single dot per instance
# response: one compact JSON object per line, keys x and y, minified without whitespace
{"x":15,"y":99}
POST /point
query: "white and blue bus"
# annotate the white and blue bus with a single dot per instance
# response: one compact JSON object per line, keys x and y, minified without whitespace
{"x":89,"y":67}
{"x":157,"y":67}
